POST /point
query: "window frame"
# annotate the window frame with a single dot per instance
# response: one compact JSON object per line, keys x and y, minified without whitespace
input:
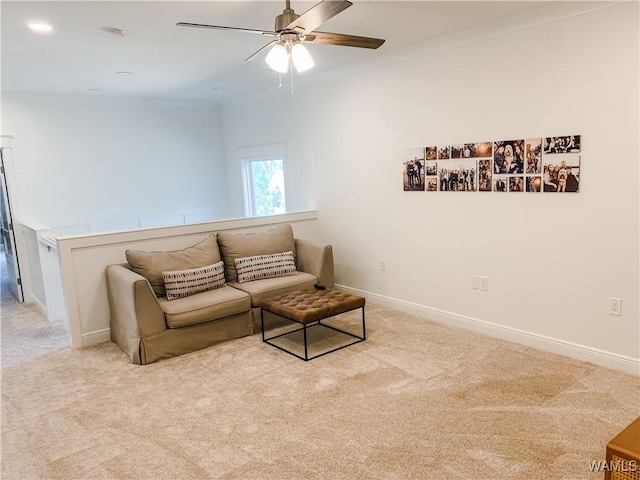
{"x":250,"y":207}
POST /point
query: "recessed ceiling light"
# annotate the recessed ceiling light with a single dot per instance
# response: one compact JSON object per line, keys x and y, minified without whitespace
{"x":125,"y":74}
{"x":40,"y":27}
{"x":95,"y":90}
{"x":218,"y":89}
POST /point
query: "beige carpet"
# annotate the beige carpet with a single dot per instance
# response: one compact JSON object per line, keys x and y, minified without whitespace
{"x":24,"y":332}
{"x":417,"y":400}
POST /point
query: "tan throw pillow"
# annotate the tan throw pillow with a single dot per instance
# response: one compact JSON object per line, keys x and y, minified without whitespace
{"x":196,"y":280}
{"x":265,"y":266}
{"x":239,"y":245}
{"x":151,"y":264}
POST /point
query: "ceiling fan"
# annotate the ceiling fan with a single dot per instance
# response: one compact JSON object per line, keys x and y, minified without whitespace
{"x":292,"y":30}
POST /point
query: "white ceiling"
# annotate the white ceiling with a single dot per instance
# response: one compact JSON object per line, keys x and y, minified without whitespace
{"x":189,"y":63}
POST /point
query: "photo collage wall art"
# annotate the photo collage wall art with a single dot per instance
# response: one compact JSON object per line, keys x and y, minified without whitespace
{"x":550,"y":164}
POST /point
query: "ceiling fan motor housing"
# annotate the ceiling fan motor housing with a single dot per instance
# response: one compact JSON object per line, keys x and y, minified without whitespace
{"x":288,"y":16}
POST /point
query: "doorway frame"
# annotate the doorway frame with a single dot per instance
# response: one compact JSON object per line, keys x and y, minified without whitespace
{"x":13,"y":260}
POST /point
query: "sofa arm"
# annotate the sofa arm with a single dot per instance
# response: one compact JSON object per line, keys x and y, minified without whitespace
{"x":134,"y":307}
{"x":316,"y":259}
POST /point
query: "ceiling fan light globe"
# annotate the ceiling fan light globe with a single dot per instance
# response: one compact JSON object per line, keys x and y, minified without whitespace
{"x":301,"y":57}
{"x":278,"y":58}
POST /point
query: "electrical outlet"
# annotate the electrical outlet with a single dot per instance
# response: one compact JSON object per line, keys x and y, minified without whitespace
{"x":615,"y":306}
{"x":484,"y":283}
{"x":383,"y":265}
{"x":474,"y":282}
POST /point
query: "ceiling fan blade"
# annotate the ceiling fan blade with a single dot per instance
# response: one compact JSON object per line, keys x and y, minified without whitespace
{"x":317,"y":15}
{"x":326,"y":38}
{"x":256,"y":54}
{"x":218,"y":27}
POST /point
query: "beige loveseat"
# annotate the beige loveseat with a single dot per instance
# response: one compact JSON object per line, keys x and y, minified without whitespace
{"x":149,"y":326}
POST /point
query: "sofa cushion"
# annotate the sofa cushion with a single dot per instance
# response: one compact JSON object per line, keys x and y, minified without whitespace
{"x":151,"y":264}
{"x":204,"y":307}
{"x":265,"y":266}
{"x":237,"y":245}
{"x":271,"y":287}
{"x":183,"y":283}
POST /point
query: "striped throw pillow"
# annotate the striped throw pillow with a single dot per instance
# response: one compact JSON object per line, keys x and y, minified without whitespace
{"x":183,"y":283}
{"x":265,"y":266}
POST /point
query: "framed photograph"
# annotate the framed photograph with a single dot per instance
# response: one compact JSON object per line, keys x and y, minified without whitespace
{"x":533,"y":152}
{"x":444,"y":153}
{"x":508,"y":157}
{"x":431,"y":153}
{"x":534,"y":184}
{"x":484,"y":175}
{"x":478,"y":150}
{"x":457,"y":176}
{"x":516,"y":184}
{"x":570,"y":144}
{"x":457,"y":151}
{"x":475,"y":150}
{"x":432,"y":184}
{"x":500,"y":183}
{"x":431,"y":168}
{"x":561,"y":173}
{"x":413,"y":170}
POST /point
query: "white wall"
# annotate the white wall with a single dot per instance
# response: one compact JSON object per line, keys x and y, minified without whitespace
{"x":79,"y":159}
{"x":266,"y":128}
{"x":552,"y":261}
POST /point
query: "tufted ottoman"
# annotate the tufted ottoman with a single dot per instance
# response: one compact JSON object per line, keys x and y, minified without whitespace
{"x":309,"y":308}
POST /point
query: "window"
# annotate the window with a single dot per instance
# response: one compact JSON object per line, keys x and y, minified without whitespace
{"x":264,"y":186}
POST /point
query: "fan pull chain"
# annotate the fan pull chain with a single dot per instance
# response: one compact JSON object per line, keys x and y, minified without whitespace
{"x":291,"y":70}
{"x":280,"y":79}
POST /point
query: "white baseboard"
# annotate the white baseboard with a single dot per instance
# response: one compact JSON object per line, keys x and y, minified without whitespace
{"x":568,"y":349}
{"x":30,"y":298}
{"x":94,"y":338}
